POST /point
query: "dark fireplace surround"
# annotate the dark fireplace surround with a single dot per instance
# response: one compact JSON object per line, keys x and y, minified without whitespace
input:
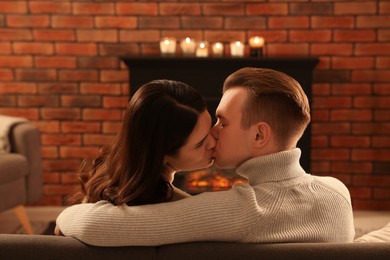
{"x":207,"y":76}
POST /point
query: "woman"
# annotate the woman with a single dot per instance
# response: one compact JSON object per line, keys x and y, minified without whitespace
{"x":165,"y":129}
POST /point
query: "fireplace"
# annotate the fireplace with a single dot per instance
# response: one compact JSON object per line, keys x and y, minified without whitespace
{"x":207,"y":76}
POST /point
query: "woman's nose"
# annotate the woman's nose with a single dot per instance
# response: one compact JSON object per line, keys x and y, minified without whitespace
{"x":214,"y":131}
{"x":211,"y":142}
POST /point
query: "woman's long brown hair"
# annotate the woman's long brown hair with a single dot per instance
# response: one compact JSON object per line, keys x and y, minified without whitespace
{"x":160,"y":117}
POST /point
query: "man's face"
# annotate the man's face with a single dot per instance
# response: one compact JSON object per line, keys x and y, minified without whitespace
{"x":234,"y":143}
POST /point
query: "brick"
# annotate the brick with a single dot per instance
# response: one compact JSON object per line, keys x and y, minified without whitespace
{"x":288,"y":22}
{"x":382,"y":62}
{"x":330,"y":154}
{"x":324,"y":63}
{"x":319,"y":141}
{"x":354,"y":35}
{"x":320,"y":167}
{"x":245,"y":22}
{"x":36,"y":74}
{"x":100,"y":88}
{"x":380,"y":193}
{"x":78,"y":75}
{"x":332,"y":22}
{"x":93,"y":8}
{"x":80,"y":101}
{"x":28,"y":21}
{"x":49,"y":7}
{"x":372,"y":49}
{"x":60,"y":113}
{"x":54,"y":35}
{"x":270,"y":36}
{"x":29,"y":113}
{"x":179,"y":9}
{"x":49,"y":152}
{"x":149,"y":49}
{"x":360,"y":192}
{"x":32,"y":48}
{"x":53,"y":189}
{"x":70,"y":178}
{"x":48,"y":126}
{"x":382,"y":115}
{"x":136,"y":8}
{"x":381,"y":141}
{"x":114,"y":76}
{"x":61,"y":139}
{"x":115,"y":22}
{"x":384,"y":7}
{"x":320,"y":115}
{"x":383,"y":35}
{"x":13,"y":7}
{"x":17,"y":88}
{"x":332,"y":76}
{"x":57,"y":88}
{"x":331,"y":128}
{"x":351,"y":167}
{"x":352,"y":62}
{"x":267,"y":8}
{"x":371,"y":155}
{"x":55,"y":62}
{"x":353,"y":115}
{"x":373,"y":181}
{"x":332,"y":102}
{"x":311,"y":8}
{"x":98,"y":62}
{"x":102,"y":114}
{"x":226,"y":9}
{"x":139,"y":36}
{"x":5,"y":48}
{"x":72,"y":21}
{"x":115,"y":102}
{"x":371,"y":128}
{"x":336,"y":49}
{"x":103,"y":35}
{"x":79,"y":152}
{"x":6,"y":75}
{"x":351,"y":89}
{"x":289,"y":49}
{"x":350,"y":141}
{"x":310,"y":35}
{"x":118,"y":49}
{"x":111,"y":127}
{"x":15,"y":35}
{"x":382,"y":88}
{"x":224,"y":36}
{"x":320,"y":89}
{"x":201,"y":22}
{"x":7,"y":101}
{"x":370,"y":21}
{"x":381,"y":168}
{"x":37,"y":101}
{"x":84,"y":49}
{"x":370,"y":76}
{"x":94,"y":139}
{"x":52,"y":177}
{"x":372,"y":102}
{"x":80,"y":127}
{"x":355,"y":7}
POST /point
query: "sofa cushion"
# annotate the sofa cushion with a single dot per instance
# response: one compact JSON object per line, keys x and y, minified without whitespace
{"x":12,"y":167}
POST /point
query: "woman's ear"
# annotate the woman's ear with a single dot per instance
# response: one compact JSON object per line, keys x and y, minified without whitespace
{"x":262,"y":134}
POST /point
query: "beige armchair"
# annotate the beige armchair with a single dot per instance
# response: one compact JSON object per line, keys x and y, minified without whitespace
{"x":21,"y":171}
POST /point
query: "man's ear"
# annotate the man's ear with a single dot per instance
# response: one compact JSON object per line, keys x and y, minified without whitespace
{"x":262,"y":134}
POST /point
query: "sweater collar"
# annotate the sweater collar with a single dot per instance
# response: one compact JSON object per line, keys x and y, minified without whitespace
{"x":272,"y":167}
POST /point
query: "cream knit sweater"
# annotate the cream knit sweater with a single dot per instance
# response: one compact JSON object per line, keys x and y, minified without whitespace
{"x":280,"y":204}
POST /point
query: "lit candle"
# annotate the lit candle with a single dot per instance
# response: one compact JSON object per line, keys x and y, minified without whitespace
{"x":202,"y":50}
{"x":256,"y":45}
{"x":236,"y":49}
{"x":188,"y":46}
{"x":168,"y":46}
{"x":217,"y":49}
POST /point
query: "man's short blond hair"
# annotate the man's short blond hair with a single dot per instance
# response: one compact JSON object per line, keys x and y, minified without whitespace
{"x":275,"y":98}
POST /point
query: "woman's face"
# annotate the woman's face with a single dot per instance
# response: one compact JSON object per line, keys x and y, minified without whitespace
{"x":196,"y":153}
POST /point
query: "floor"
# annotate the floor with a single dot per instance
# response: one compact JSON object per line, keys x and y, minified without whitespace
{"x":365,"y":221}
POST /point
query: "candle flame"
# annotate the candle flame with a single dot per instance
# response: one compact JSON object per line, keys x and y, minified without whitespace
{"x":238,"y":43}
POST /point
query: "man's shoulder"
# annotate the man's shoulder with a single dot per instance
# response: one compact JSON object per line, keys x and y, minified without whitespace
{"x":334,"y":185}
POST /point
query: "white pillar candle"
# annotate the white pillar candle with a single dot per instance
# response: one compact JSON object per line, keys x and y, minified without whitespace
{"x":256,"y":45}
{"x":217,"y":49}
{"x":168,"y":46}
{"x":202,"y":50}
{"x":237,"y":49}
{"x":188,"y":46}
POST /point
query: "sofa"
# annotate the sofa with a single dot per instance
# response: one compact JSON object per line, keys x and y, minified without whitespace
{"x":13,"y":246}
{"x":20,"y":167}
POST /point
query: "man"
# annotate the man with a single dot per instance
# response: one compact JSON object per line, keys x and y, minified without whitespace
{"x":261,"y":116}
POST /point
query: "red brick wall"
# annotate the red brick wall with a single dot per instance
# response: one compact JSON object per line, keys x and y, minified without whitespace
{"x":59,"y":67}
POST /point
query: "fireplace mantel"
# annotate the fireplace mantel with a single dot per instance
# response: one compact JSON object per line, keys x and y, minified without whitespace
{"x":208,"y":74}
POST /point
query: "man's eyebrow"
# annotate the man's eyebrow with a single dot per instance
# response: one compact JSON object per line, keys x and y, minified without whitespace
{"x":201,"y":141}
{"x":218,"y":115}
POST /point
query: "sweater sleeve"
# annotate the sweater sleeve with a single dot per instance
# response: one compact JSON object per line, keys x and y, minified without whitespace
{"x":214,"y":216}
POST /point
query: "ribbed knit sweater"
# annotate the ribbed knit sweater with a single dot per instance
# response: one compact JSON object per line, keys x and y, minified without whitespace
{"x":280,"y":204}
